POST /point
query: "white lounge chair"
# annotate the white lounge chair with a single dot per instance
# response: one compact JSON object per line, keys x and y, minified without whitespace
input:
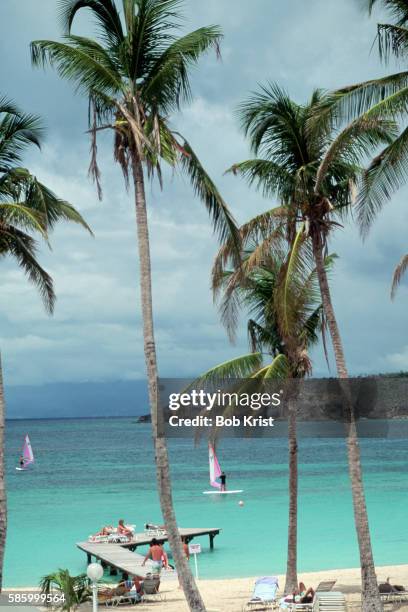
{"x":150,"y":587}
{"x":334,"y":601}
{"x":264,"y":595}
{"x":394,"y":596}
{"x":323,"y":587}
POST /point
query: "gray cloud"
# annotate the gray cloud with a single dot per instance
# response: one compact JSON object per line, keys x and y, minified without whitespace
{"x":96,"y":331}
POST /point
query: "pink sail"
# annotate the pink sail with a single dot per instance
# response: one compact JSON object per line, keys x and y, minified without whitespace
{"x":28,"y":454}
{"x":215,"y":470}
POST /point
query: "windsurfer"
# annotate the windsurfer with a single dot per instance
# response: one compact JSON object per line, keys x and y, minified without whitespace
{"x":21,"y":461}
{"x":223,"y":478}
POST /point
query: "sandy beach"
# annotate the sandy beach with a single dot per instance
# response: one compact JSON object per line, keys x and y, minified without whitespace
{"x":230,"y":595}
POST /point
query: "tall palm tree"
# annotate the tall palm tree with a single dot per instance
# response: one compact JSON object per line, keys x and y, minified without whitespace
{"x":282,"y":296}
{"x":135,"y":73}
{"x":27,"y":209}
{"x":312,"y":167}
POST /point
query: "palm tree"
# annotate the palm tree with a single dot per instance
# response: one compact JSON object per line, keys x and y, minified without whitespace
{"x":312,"y":167}
{"x":27,"y":208}
{"x":281,"y":295}
{"x":67,"y":592}
{"x":135,"y":73}
{"x":372,"y":99}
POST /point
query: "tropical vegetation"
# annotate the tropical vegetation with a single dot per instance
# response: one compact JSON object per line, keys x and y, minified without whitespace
{"x":313,"y":167}
{"x":135,"y":73}
{"x":281,"y":296}
{"x":65,"y":591}
{"x":339,"y":158}
{"x":29,"y":210}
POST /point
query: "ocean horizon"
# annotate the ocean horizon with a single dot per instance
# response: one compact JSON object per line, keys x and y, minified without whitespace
{"x":92,"y":471}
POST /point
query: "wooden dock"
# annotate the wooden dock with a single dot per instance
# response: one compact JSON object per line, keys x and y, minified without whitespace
{"x":122,"y":558}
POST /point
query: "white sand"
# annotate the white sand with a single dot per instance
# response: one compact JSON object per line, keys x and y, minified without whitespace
{"x":230,"y":595}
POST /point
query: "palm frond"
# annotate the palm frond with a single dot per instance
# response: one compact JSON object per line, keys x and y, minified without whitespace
{"x":267,"y":176}
{"x":254,"y":232}
{"x":17,"y":131}
{"x":223,"y":222}
{"x":22,"y":248}
{"x":397,"y":8}
{"x":168,"y":80}
{"x":385,"y":175}
{"x":23,"y":216}
{"x":239,"y":367}
{"x":279,"y":368}
{"x":392,"y":40}
{"x":355,"y":142}
{"x":40,"y":198}
{"x":104,"y":11}
{"x":351,"y":102}
{"x":398,"y":274}
{"x":80,"y":60}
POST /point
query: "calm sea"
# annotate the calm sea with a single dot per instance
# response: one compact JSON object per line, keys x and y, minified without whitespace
{"x":92,"y":472}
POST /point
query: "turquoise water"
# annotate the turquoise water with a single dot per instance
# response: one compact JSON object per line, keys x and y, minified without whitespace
{"x":91,"y":472}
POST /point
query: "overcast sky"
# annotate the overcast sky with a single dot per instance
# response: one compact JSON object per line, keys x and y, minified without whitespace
{"x":95,"y":334}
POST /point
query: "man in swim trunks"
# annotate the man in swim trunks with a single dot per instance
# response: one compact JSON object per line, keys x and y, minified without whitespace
{"x":157,"y":555}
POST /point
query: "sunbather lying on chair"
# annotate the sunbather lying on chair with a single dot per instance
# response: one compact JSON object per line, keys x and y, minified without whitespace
{"x":299,"y":595}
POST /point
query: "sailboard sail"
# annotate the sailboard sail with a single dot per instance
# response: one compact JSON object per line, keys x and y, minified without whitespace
{"x":28,"y":451}
{"x":215,"y":470}
{"x":27,"y":456}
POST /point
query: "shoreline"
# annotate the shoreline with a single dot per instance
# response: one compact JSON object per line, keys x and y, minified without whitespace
{"x":230,"y":594}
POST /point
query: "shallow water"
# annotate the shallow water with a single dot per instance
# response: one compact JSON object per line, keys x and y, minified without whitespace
{"x":90,"y":472}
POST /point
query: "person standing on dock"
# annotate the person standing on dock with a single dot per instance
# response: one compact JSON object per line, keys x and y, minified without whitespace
{"x":223,"y":478}
{"x":157,"y":555}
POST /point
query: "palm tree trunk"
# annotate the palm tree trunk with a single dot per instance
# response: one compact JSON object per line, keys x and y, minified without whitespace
{"x":191,"y":591}
{"x":371,"y":601}
{"x":291,"y":581}
{"x":3,"y":498}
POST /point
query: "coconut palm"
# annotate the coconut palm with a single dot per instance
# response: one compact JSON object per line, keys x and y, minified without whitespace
{"x":67,"y":592}
{"x":383,"y":97}
{"x":282,"y":297}
{"x":312,"y":167}
{"x":135,"y":73}
{"x":27,"y":209}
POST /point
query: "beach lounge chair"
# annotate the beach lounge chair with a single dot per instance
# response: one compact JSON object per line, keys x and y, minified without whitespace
{"x":323,"y":587}
{"x":122,"y":594}
{"x":394,"y":597}
{"x":151,"y":586}
{"x":264,"y":594}
{"x":117,"y":538}
{"x":334,"y":601}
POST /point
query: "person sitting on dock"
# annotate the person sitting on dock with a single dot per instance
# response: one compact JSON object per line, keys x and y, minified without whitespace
{"x":105,"y":531}
{"x":157,"y":554}
{"x":123,"y":530}
{"x":223,"y":478}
